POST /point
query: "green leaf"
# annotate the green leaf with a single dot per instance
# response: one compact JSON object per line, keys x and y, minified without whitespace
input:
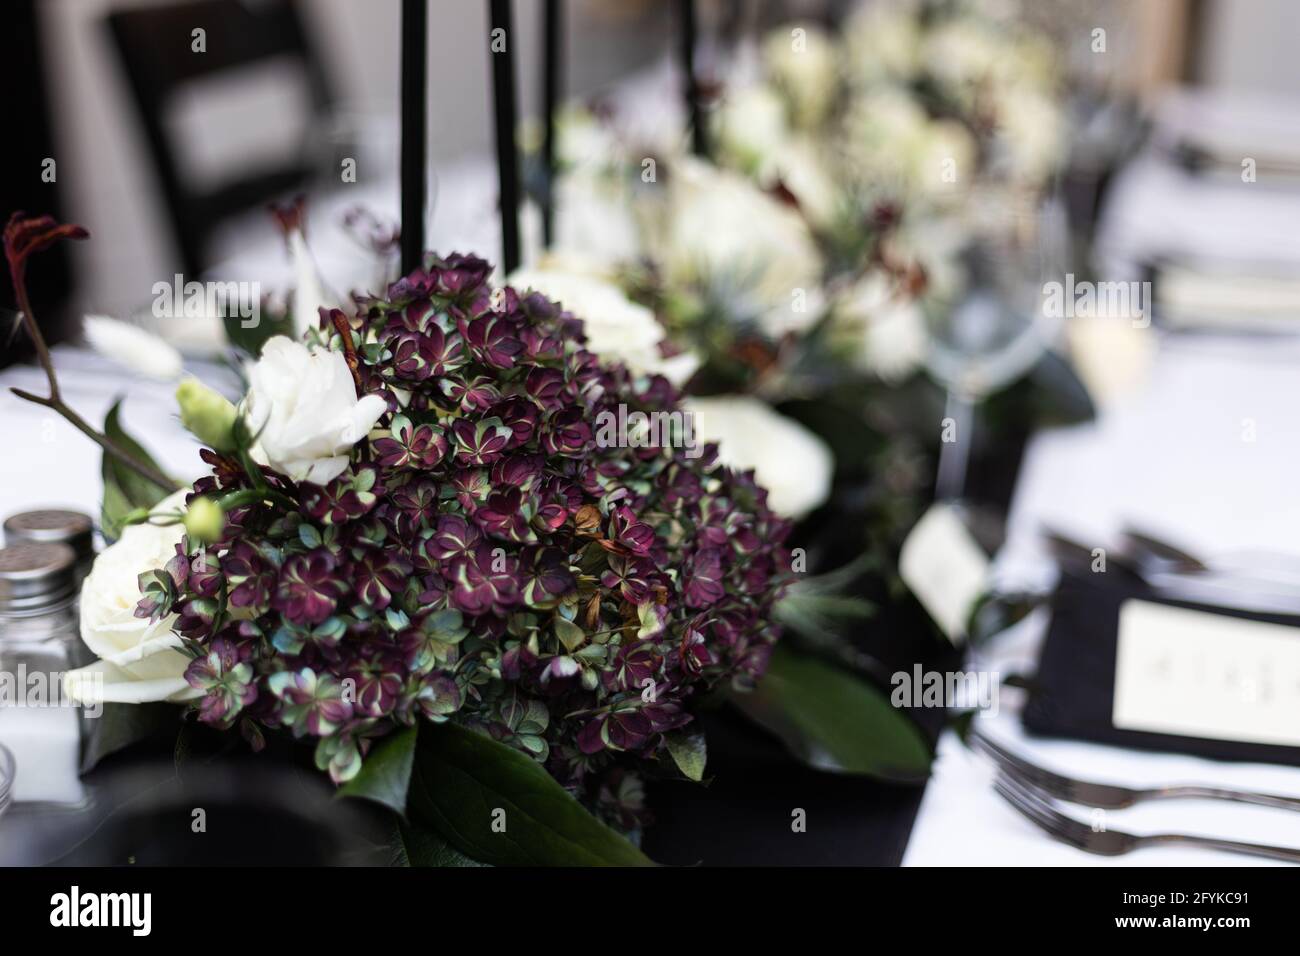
{"x":815,"y":613}
{"x":121,"y":725}
{"x":465,"y":782}
{"x":690,"y":752}
{"x":414,"y":845}
{"x":385,"y":776}
{"x":251,"y":339}
{"x":571,"y":635}
{"x":835,"y":721}
{"x":124,"y":490}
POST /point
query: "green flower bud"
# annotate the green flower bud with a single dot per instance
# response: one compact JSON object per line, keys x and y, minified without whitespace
{"x":204,"y":521}
{"x":207,"y":416}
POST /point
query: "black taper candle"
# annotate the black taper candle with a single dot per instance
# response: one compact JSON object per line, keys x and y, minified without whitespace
{"x":694,"y":110}
{"x":552,"y":67}
{"x":415,"y":113}
{"x":502,"y":51}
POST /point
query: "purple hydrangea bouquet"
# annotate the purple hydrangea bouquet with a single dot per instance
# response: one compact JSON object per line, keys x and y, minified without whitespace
{"x":417,"y":551}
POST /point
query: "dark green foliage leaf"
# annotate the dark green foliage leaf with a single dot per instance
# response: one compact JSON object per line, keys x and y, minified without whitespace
{"x":121,"y":725}
{"x":414,"y":845}
{"x":690,"y":753}
{"x":462,"y":778}
{"x":251,"y":340}
{"x":817,"y":614}
{"x":385,"y":775}
{"x":835,"y":721}
{"x":124,"y":490}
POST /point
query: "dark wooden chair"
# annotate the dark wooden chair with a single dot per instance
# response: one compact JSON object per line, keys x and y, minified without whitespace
{"x":154,"y":44}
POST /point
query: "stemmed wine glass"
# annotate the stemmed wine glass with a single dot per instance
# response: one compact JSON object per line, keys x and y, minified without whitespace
{"x":991,"y":328}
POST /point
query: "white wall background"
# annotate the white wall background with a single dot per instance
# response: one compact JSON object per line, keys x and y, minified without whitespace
{"x":1252,"y":45}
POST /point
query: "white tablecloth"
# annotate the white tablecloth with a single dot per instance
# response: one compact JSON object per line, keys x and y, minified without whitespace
{"x":1179,"y":459}
{"x":47,"y":462}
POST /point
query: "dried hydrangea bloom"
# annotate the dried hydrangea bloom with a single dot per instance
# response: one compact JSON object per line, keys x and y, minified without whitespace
{"x":484,"y":559}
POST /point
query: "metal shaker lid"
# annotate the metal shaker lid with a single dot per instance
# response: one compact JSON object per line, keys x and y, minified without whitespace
{"x":35,"y":575}
{"x":53,"y":526}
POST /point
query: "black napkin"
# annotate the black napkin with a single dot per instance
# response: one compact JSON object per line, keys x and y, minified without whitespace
{"x":1072,"y":694}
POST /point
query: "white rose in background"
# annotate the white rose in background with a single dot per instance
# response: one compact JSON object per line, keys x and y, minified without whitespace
{"x":883,"y":41}
{"x":879,"y":133}
{"x":793,"y":464}
{"x":798,"y":167}
{"x":303,"y":408}
{"x":140,"y":660}
{"x":943,"y":159}
{"x":747,"y":252}
{"x":1028,"y":62}
{"x":890,"y":141}
{"x":584,"y":143}
{"x":960,"y":53}
{"x":752,"y":135}
{"x":882,"y":327}
{"x":616,"y":327}
{"x":802,"y":61}
{"x":131,"y":346}
{"x":936,"y":243}
{"x":750,"y":124}
{"x":1030,"y":136}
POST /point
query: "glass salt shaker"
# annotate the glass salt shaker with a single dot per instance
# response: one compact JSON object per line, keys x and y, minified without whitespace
{"x":39,"y":643}
{"x":55,"y":526}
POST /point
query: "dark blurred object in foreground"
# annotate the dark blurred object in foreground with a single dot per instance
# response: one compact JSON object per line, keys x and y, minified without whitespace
{"x":243,"y":812}
{"x":23,"y":172}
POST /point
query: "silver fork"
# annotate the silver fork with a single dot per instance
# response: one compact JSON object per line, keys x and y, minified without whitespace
{"x":1039,"y":809}
{"x":1112,"y":796}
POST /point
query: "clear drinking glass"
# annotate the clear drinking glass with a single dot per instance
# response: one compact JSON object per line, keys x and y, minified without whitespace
{"x":993,"y":327}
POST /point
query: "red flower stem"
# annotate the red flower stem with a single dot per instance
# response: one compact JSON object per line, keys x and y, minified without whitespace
{"x":341,"y":326}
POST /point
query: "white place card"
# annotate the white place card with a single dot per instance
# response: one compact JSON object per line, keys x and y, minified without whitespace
{"x":945,"y":569}
{"x":1197,"y":674}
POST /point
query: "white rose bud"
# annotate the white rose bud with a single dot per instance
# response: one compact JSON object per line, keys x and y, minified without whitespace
{"x":142,"y":352}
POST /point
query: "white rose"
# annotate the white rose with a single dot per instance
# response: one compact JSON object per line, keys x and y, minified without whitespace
{"x":747,"y":252}
{"x":793,"y":464}
{"x":802,"y":61}
{"x":584,"y":141}
{"x":960,"y":53}
{"x":881,"y":130}
{"x":799,"y":167}
{"x":616,"y":327}
{"x":303,"y":407}
{"x":140,"y":660}
{"x":750,"y":124}
{"x":883,"y":43}
{"x":883,"y":327}
{"x":943,"y":159}
{"x":1031,"y":134}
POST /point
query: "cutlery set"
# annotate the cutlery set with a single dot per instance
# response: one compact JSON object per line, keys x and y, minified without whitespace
{"x":1035,"y":791}
{"x":1251,"y":581}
